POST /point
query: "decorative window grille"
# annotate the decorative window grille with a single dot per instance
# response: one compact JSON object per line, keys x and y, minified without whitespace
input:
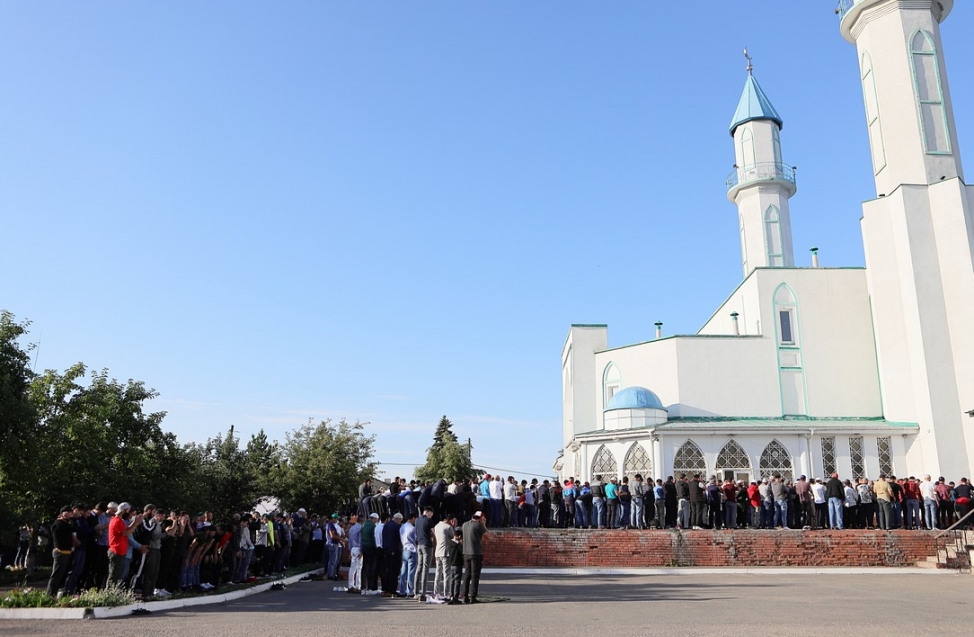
{"x":828,"y":455}
{"x":876,"y":142}
{"x":929,"y":93}
{"x":775,"y":459}
{"x":883,"y":446}
{"x":604,"y":464}
{"x":733,"y":456}
{"x":637,"y":461}
{"x":689,"y":460}
{"x":772,"y":225}
{"x":855,"y":453}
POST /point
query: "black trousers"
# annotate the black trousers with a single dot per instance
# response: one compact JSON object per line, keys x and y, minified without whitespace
{"x":390,"y":572}
{"x":472,"y":565}
{"x":370,"y":571}
{"x":62,"y":566}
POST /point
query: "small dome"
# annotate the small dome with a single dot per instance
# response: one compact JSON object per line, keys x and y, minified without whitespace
{"x":635,"y":398}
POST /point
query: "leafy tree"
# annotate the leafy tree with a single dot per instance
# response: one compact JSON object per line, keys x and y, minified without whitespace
{"x":447,"y":458}
{"x":322,"y":466}
{"x":16,"y":412}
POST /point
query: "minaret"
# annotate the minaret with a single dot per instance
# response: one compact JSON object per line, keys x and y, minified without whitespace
{"x":918,"y":233}
{"x":761,"y":184}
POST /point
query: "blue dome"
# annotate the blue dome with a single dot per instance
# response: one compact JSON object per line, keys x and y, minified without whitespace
{"x":635,"y":398}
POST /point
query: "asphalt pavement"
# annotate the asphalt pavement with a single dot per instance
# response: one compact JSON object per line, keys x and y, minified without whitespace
{"x":710,"y":604}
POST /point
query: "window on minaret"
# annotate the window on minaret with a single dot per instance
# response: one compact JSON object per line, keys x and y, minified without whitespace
{"x":743,"y":245}
{"x":776,"y":139}
{"x":747,"y":148}
{"x":871,"y":98}
{"x":929,"y":94}
{"x":772,"y":226}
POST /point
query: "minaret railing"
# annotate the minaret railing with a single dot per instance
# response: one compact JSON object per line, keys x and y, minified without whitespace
{"x":765,"y":171}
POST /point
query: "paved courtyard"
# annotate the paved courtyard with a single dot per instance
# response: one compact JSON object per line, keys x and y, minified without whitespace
{"x":764,"y":605}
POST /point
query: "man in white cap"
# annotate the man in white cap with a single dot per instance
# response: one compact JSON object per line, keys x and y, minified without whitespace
{"x":119,"y":529}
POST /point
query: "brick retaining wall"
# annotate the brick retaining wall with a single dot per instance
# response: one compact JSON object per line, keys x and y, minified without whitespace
{"x":602,"y":548}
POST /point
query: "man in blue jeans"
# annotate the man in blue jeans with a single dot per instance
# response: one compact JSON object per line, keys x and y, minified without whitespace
{"x":597,"y":514}
{"x":835,"y":492}
{"x":779,"y":491}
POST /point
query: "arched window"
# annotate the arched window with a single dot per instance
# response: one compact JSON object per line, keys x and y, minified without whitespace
{"x":747,"y":149}
{"x":731,"y":457}
{"x":637,"y":461}
{"x":929,"y":93}
{"x":604,"y":464}
{"x":772,"y":228}
{"x":776,"y":140}
{"x":871,"y":98}
{"x":611,"y":382}
{"x":786,"y":310}
{"x":775,"y":459}
{"x":689,"y":460}
{"x":743,"y":245}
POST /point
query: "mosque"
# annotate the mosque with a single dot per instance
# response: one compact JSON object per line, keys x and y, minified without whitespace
{"x":810,"y":370}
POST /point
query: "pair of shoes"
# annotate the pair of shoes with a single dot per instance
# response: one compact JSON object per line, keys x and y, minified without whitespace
{"x":453,"y":601}
{"x":206,"y":586}
{"x":385,"y":594}
{"x":466,"y":600}
{"x":474,"y":600}
{"x":401,"y":595}
{"x":161,"y":592}
{"x":354,"y":591}
{"x":419,"y":598}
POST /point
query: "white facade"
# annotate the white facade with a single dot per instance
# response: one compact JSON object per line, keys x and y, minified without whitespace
{"x":810,"y":370}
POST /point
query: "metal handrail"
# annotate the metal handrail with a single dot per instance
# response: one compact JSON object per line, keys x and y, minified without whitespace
{"x":844,"y":7}
{"x":955,"y":524}
{"x":763,"y":171}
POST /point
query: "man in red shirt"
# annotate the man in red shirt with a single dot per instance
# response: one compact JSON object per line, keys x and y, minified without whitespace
{"x":120,"y":528}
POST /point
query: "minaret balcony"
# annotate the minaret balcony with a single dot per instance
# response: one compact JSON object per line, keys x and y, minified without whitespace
{"x":855,"y":7}
{"x":761,"y":173}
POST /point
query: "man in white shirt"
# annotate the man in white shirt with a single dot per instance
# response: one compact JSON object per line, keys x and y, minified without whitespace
{"x":407,"y":572}
{"x":443,"y":534}
{"x":510,"y":500}
{"x":928,"y":491}
{"x":821,"y":504}
{"x":496,"y":489}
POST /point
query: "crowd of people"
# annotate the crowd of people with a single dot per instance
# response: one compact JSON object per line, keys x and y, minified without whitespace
{"x":395,"y":534}
{"x":156,"y":552}
{"x":687,"y":501}
{"x":391,"y":554}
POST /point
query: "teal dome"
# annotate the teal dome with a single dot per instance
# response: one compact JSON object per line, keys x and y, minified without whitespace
{"x":635,"y":398}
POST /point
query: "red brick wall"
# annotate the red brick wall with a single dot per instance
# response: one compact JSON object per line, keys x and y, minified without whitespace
{"x":570,"y":548}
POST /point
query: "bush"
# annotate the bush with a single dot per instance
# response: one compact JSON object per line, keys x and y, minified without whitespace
{"x":27,"y":598}
{"x":114,"y":595}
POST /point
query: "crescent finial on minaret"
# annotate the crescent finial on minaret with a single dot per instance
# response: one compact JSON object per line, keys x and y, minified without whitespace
{"x":750,"y":67}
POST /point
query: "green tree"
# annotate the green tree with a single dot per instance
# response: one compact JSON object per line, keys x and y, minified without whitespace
{"x":322,"y":466}
{"x":17,"y":415}
{"x":447,"y":458}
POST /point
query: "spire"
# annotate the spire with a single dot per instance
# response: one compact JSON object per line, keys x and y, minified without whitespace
{"x":754,"y":103}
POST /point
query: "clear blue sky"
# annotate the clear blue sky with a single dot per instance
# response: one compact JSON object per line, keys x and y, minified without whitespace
{"x":391,"y":211}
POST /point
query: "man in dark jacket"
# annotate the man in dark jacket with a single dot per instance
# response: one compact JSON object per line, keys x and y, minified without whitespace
{"x":836,"y":496}
{"x":698,"y":500}
{"x":392,"y":550}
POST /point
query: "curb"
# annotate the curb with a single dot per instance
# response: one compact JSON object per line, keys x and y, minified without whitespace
{"x":105,"y":612}
{"x":689,"y":570}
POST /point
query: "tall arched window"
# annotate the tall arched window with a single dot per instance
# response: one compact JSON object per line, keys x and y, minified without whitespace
{"x":775,"y":459}
{"x":871,"y":98}
{"x":776,"y":140}
{"x":611,"y":382}
{"x":772,"y":228}
{"x":747,"y":148}
{"x":743,"y":245}
{"x":790,"y":359}
{"x":637,"y":461}
{"x":689,"y":460}
{"x":929,"y":93}
{"x":604,"y":464}
{"x":732,"y":460}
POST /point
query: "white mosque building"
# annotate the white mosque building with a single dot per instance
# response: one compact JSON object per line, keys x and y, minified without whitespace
{"x":809,"y":370}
